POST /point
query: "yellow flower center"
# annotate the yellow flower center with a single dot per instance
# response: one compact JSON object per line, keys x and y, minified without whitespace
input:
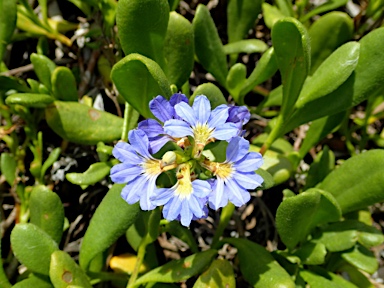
{"x":152,"y":166}
{"x":221,"y":170}
{"x":184,"y":184}
{"x":202,"y":134}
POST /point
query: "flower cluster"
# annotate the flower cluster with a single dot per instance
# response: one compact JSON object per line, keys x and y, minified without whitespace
{"x":196,"y":180}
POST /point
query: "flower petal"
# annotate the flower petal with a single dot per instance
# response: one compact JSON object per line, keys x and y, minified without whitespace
{"x":146,"y":194}
{"x":236,"y":149}
{"x":139,"y":141}
{"x":128,"y":194}
{"x":248,"y":180}
{"x":161,"y":108}
{"x":186,"y":113}
{"x":239,"y":114}
{"x":217,"y":196}
{"x":218,"y":116}
{"x":185,"y":214}
{"x":202,"y":108}
{"x":201,"y":188}
{"x":177,"y":128}
{"x":125,"y":172}
{"x":177,"y":98}
{"x":151,"y":127}
{"x":162,"y":196}
{"x":156,"y":143}
{"x":126,"y":152}
{"x":171,"y":210}
{"x":237,"y":195}
{"x":225,"y":131}
{"x":250,"y":162}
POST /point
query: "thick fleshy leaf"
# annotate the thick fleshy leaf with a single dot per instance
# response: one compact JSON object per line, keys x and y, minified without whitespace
{"x":95,"y":173}
{"x":64,"y":270}
{"x":362,"y":258}
{"x":142,"y":27}
{"x":43,"y":67}
{"x":33,"y":281}
{"x":328,"y":279}
{"x":64,"y":85}
{"x":82,"y":124}
{"x":356,"y":277}
{"x":327,"y":6}
{"x":235,"y":80}
{"x":29,"y":100}
{"x":245,"y":46}
{"x":140,"y":79}
{"x":358,"y":182}
{"x":298,"y":215}
{"x":52,"y":158}
{"x":47,"y":211}
{"x":258,"y":266}
{"x":7,"y":23}
{"x":219,"y":274}
{"x":107,"y":225}
{"x":33,"y":247}
{"x":213,"y":93}
{"x":178,"y":270}
{"x":271,"y":14}
{"x":125,"y":263}
{"x":327,"y":34}
{"x":364,"y":82}
{"x":14,"y":83}
{"x":311,"y":253}
{"x":208,"y":47}
{"x":8,"y":167}
{"x":179,"y":49}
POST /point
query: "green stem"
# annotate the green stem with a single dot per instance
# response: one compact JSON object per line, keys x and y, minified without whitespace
{"x":226,"y":215}
{"x":124,"y":134}
{"x":275,"y":133}
{"x":139,"y":262}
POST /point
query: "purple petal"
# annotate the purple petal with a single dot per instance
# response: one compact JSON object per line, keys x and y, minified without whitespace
{"x":239,"y":114}
{"x":250,"y":162}
{"x":128,"y":194}
{"x":125,"y":172}
{"x":172,"y":209}
{"x":217,"y":196}
{"x":186,"y":113}
{"x":236,"y":149}
{"x":146,"y":194}
{"x":177,"y":98}
{"x":237,"y":195}
{"x":177,"y":128}
{"x":161,"y":196}
{"x":248,"y":180}
{"x":185,"y":214}
{"x":218,"y":116}
{"x":125,"y":152}
{"x":225,"y":132}
{"x":201,"y":188}
{"x":202,"y":108}
{"x":155,"y":144}
{"x":151,"y":127}
{"x":139,"y":141}
{"x":195,"y":207}
{"x":161,"y":108}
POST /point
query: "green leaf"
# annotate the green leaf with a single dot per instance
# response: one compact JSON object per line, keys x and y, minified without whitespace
{"x":219,"y":274}
{"x":183,"y":233}
{"x":47,"y":211}
{"x":179,"y":49}
{"x":173,"y":4}
{"x":358,"y":182}
{"x":271,"y":14}
{"x":112,"y":218}
{"x":7,"y":23}
{"x":213,"y":93}
{"x":333,"y":72}
{"x":327,"y":6}
{"x":297,"y":216}
{"x":311,"y":253}
{"x":142,"y":27}
{"x":139,"y":79}
{"x":179,"y":270}
{"x":208,"y":47}
{"x":267,"y":177}
{"x":33,"y":281}
{"x":356,"y":277}
{"x":327,"y":34}
{"x":328,"y":280}
{"x":64,"y":85}
{"x":64,"y":271}
{"x":13,"y":83}
{"x":33,"y":247}
{"x":95,"y":173}
{"x":8,"y":167}
{"x":82,"y":124}
{"x":235,"y":80}
{"x":52,"y":158}
{"x":285,"y":6}
{"x":323,"y":164}
{"x":258,"y":266}
{"x":248,"y":46}
{"x":29,"y":100}
{"x":43,"y":68}
{"x":242,"y":15}
{"x":362,"y":258}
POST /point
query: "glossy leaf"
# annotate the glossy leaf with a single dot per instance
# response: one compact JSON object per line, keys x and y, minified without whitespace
{"x":29,"y":100}
{"x":52,"y":158}
{"x":356,"y":277}
{"x":298,"y":215}
{"x":33,"y":281}
{"x":107,"y":225}
{"x":213,"y":93}
{"x":64,"y":85}
{"x":139,"y":79}
{"x":179,"y":270}
{"x":358,"y":182}
{"x":241,"y":15}
{"x":285,"y":6}
{"x":179,"y":49}
{"x":248,"y":46}
{"x":327,"y":34}
{"x":8,"y":167}
{"x":333,"y":72}
{"x":208,"y":47}
{"x":8,"y":83}
{"x":323,"y":164}
{"x":33,"y":247}
{"x":173,"y":4}
{"x":64,"y":271}
{"x":258,"y":266}
{"x":362,"y":258}
{"x":142,"y":27}
{"x":47,"y":211}
{"x":312,"y":253}
{"x":235,"y":80}
{"x":219,"y":274}
{"x":271,"y":14}
{"x":95,"y":173}
{"x":327,"y":6}
{"x":125,"y":263}
{"x":43,"y":68}
{"x":329,"y":280}
{"x":267,"y":177}
{"x":82,"y":124}
{"x":7,"y":23}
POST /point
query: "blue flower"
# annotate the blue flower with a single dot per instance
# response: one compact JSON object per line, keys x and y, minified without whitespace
{"x":201,"y":123}
{"x":138,"y":169}
{"x":186,"y":200}
{"x":163,"y":110}
{"x":235,"y":175}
